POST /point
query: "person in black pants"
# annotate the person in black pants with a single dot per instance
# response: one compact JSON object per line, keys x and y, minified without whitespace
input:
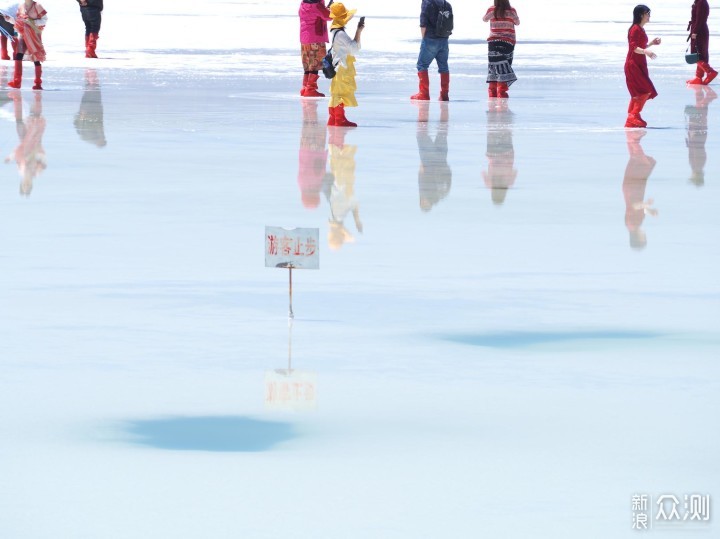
{"x":91,"y":11}
{"x":7,"y":31}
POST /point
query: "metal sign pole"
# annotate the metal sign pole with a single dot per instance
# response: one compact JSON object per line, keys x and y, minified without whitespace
{"x":290,"y":314}
{"x":290,"y":327}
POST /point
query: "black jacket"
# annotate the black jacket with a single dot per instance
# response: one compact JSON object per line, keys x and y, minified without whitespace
{"x":92,"y":4}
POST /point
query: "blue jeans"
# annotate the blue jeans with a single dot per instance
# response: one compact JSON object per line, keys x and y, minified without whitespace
{"x":433,"y":48}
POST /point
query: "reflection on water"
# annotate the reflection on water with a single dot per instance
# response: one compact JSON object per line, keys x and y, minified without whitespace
{"x":312,"y":158}
{"x":290,"y":389}
{"x":637,"y":172}
{"x":339,"y":188}
{"x":434,"y":174}
{"x":501,"y":173}
{"x":696,"y":117}
{"x":89,"y":119}
{"x":29,"y":155}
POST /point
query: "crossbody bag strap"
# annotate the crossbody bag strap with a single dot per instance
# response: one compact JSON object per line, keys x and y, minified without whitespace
{"x":332,"y":43}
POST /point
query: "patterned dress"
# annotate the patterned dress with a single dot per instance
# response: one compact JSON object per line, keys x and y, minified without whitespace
{"x":31,"y":38}
{"x":501,"y":45}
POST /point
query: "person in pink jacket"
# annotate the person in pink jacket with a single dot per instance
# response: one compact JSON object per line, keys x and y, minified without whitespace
{"x":313,"y":36}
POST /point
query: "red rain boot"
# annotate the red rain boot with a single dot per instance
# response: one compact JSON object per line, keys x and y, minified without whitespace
{"x":492,"y":89}
{"x":92,"y":43}
{"x":634,"y":120}
{"x":698,"y":76}
{"x":331,"y":116}
{"x":17,"y":76}
{"x":340,"y":120}
{"x":444,"y":86}
{"x":3,"y":46}
{"x":502,"y":90}
{"x":38,"y":78}
{"x":710,"y":72}
{"x":640,"y":103}
{"x":302,"y":90}
{"x":311,"y":86}
{"x":424,"y":87}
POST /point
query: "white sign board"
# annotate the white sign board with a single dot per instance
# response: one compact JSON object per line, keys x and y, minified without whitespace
{"x":292,"y":248}
{"x":290,"y":390}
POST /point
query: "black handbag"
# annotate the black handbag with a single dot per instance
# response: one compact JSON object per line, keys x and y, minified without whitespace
{"x":691,"y":57}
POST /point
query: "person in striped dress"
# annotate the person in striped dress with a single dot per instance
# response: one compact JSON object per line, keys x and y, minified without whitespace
{"x":501,"y":46}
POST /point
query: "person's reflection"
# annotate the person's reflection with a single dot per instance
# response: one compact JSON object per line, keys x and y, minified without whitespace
{"x":312,"y":158}
{"x":3,"y":80}
{"x":339,"y":188}
{"x":501,"y":173}
{"x":697,"y":130}
{"x":434,"y":174}
{"x":89,"y":119}
{"x":637,"y":172}
{"x":29,"y":155}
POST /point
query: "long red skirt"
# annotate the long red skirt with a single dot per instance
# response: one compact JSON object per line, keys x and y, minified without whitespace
{"x":637,"y":77}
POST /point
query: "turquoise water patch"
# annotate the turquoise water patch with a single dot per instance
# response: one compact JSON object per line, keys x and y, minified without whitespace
{"x":210,"y":433}
{"x":522,"y":339}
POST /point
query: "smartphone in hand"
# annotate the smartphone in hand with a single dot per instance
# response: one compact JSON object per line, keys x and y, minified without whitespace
{"x":362,"y":21}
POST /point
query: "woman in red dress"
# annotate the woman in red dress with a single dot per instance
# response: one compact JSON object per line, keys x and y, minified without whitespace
{"x":636,"y":71}
{"x":700,"y":36}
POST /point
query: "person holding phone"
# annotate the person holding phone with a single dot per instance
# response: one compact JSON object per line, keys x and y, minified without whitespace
{"x":344,"y":49}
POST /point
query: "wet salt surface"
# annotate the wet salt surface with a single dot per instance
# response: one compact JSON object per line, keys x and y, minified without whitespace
{"x":513,"y":327}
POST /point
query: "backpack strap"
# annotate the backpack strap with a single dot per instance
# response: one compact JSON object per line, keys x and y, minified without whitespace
{"x":332,"y":44}
{"x":332,"y":41}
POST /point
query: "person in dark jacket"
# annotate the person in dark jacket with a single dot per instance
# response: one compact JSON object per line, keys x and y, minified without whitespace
{"x":91,"y":11}
{"x":7,"y":32}
{"x":700,"y":36}
{"x":433,"y":47}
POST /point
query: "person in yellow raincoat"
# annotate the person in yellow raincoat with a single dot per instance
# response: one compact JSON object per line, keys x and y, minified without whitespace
{"x":344,"y":49}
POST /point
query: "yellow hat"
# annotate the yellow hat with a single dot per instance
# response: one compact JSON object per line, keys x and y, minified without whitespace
{"x":340,"y":15}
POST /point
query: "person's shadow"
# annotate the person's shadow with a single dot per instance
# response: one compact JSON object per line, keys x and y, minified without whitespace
{"x":501,"y":174}
{"x":312,"y":157}
{"x":89,"y":118}
{"x":696,"y":117}
{"x":29,"y":155}
{"x":637,"y":172}
{"x":434,"y":173}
